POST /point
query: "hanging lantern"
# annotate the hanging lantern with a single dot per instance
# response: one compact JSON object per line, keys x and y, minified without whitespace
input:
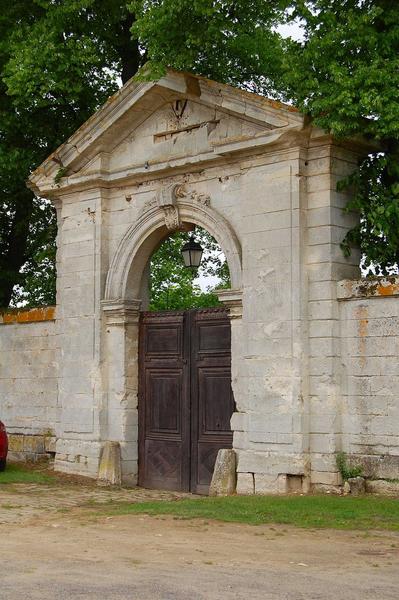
{"x":192,"y":254}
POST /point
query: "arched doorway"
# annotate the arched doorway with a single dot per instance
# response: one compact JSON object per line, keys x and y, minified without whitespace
{"x":125,"y":296}
{"x":185,"y":395}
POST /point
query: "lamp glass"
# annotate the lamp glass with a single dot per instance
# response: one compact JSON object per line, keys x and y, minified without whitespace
{"x":192,"y":254}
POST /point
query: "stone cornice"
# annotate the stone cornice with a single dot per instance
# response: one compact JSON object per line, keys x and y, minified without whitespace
{"x":84,"y":137}
{"x":275,"y":137}
{"x":270,"y":141}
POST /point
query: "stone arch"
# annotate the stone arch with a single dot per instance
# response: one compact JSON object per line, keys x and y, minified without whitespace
{"x":127,"y":266}
{"x":173,"y":207}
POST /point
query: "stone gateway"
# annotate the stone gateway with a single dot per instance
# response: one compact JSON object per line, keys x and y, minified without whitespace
{"x":314,"y":350}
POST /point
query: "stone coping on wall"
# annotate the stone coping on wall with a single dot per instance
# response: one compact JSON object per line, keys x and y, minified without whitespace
{"x":27,"y":315}
{"x":376,"y":287}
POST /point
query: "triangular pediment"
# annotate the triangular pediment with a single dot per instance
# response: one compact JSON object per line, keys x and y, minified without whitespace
{"x":143,"y":124}
{"x":179,"y":129}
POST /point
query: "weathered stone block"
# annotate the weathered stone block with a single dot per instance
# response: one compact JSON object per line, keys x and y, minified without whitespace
{"x":239,"y":421}
{"x":245,"y":483}
{"x":50,"y":443}
{"x":266,"y":484}
{"x":16,"y":443}
{"x":384,"y":488}
{"x":224,"y":478}
{"x":296,"y":484}
{"x":34,"y":444}
{"x":109,"y":472}
{"x":357,"y":486}
{"x":325,"y":478}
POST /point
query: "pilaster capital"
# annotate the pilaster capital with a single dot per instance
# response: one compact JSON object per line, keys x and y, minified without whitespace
{"x":121,"y":312}
{"x":232,"y":300}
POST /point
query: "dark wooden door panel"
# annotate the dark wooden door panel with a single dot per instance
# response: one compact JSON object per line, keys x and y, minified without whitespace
{"x":163,"y":465}
{"x":212,"y":401}
{"x":164,"y":341}
{"x":213,"y":336}
{"x":164,"y":389}
{"x":164,"y":402}
{"x":185,"y":397}
{"x":215,"y":401}
{"x":203,"y":470}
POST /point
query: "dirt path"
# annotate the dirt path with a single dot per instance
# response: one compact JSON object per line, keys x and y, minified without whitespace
{"x":77,"y":554}
{"x":20,"y":502}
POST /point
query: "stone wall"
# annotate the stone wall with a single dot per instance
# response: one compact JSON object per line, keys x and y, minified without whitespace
{"x":369,"y":317}
{"x":29,"y":381}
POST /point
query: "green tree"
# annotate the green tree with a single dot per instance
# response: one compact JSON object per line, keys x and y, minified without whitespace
{"x":172,"y":285}
{"x":59,"y":61}
{"x":346,"y":76}
{"x":231,"y":41}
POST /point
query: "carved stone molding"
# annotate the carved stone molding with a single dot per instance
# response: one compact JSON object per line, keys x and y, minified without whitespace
{"x":120,"y":312}
{"x":172,"y":218}
{"x":149,"y":204}
{"x":184,"y":192}
{"x":167,"y":199}
{"x":204,"y":199}
{"x":232,"y":300}
{"x":168,"y":195}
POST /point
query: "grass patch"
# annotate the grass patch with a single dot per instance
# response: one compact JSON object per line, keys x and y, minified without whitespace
{"x":301,"y":511}
{"x":17,"y":473}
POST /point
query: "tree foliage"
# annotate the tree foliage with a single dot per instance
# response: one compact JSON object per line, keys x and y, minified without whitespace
{"x":346,"y":76}
{"x":60,"y":59}
{"x":232,"y":41}
{"x":59,"y":62}
{"x":173,"y":286}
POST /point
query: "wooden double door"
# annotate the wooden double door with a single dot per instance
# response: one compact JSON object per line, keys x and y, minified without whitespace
{"x":185,"y":397}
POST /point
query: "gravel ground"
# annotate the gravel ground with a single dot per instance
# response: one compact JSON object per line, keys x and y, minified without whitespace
{"x":54,"y":545}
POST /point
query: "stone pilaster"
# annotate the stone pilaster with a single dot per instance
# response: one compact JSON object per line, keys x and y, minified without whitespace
{"x":121,"y":355}
{"x":327,"y":225}
{"x":232,"y":300}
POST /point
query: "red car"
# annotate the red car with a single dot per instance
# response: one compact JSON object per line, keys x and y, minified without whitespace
{"x":3,"y":446}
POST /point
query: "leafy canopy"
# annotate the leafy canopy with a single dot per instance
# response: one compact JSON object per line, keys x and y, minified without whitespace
{"x":346,"y":76}
{"x":60,"y":59}
{"x":173,"y":286}
{"x":225,"y":40}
